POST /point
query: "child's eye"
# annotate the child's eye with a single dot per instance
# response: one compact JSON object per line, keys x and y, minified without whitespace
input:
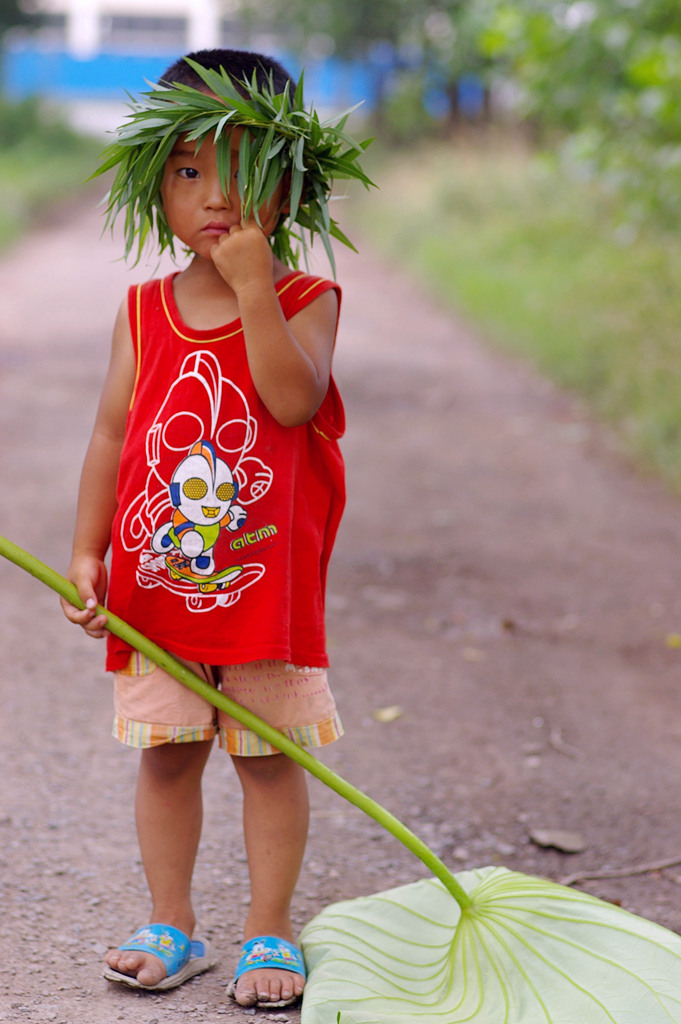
{"x":190,"y":173}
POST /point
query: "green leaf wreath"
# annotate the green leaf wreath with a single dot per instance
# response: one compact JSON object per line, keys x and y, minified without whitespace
{"x":283,"y":139}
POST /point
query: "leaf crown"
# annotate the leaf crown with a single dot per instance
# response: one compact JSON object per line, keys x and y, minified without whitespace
{"x":283,"y":139}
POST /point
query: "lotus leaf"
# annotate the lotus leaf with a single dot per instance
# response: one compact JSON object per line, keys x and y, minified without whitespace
{"x":526,"y":951}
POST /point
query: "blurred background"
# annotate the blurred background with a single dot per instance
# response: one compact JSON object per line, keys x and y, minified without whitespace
{"x":86,"y":54}
{"x":528,"y":155}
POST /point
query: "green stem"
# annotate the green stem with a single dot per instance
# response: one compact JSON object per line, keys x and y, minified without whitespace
{"x":267,"y":732}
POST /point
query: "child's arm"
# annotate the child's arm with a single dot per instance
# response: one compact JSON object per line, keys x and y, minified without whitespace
{"x":97,"y":494}
{"x":290,"y":361}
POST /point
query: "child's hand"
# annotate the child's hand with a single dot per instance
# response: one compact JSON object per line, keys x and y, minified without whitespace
{"x":89,"y":576}
{"x":243,"y":257}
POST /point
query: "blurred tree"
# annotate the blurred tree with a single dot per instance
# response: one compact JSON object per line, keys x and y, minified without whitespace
{"x":13,"y":15}
{"x":421,"y":49}
{"x":607,"y":73}
{"x":349,"y":29}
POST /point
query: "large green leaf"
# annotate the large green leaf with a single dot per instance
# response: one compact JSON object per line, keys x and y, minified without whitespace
{"x":527,"y":951}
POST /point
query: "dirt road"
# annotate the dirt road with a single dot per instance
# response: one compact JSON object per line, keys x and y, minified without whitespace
{"x":502,"y":581}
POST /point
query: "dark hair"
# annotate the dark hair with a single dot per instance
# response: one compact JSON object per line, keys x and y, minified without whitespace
{"x":238,"y":64}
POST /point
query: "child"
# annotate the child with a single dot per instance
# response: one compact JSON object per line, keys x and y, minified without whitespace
{"x":214,"y":474}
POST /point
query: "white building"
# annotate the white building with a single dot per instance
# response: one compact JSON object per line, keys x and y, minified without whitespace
{"x":89,"y":26}
{"x":89,"y":55}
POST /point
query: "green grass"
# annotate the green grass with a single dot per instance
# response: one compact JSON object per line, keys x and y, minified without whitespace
{"x":42,"y":162}
{"x":546,"y":267}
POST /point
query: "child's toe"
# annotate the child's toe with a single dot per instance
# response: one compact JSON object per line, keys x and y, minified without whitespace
{"x":148,"y":969}
{"x":269,"y":986}
{"x":246,"y":994}
{"x":151,"y":972}
{"x":283,"y":991}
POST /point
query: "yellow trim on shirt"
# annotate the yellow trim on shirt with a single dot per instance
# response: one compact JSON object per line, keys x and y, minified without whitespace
{"x":138,"y":344}
{"x":185,"y":337}
{"x":209,"y":341}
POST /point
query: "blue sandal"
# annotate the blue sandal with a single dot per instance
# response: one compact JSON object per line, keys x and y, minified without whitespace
{"x":269,"y":951}
{"x":183,"y":958}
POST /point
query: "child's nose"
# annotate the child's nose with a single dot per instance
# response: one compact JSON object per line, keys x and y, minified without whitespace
{"x":215,"y":198}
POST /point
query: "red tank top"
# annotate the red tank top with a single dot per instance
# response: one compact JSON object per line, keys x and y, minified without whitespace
{"x":226,"y":519}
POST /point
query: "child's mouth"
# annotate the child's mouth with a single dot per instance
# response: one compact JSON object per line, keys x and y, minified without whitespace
{"x":216,"y":228}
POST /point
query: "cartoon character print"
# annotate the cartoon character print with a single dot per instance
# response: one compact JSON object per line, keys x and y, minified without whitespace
{"x":203,"y":493}
{"x":199,"y":454}
{"x":263,"y":952}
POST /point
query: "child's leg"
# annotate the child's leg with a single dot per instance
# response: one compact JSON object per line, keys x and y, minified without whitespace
{"x":169,"y":816}
{"x":276,"y":815}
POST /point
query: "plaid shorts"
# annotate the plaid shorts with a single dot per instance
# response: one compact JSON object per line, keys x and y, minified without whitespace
{"x":152,"y":707}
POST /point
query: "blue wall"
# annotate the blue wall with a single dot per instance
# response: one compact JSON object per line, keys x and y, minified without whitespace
{"x":55,"y":73}
{"x":32,"y":70}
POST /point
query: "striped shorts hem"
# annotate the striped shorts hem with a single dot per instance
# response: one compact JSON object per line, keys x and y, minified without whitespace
{"x":240,"y":742}
{"x":245,"y":743}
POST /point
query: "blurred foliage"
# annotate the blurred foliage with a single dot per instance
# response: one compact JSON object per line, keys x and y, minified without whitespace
{"x":42,"y":160}
{"x":598,"y":81}
{"x":404,"y":117}
{"x":414,"y":34}
{"x":30,"y":124}
{"x":418,"y":50}
{"x":14,"y":15}
{"x":541,"y":263}
{"x":606,"y":76}
{"x":349,"y":29}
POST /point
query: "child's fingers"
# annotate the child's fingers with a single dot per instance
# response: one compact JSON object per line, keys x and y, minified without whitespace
{"x":97,"y":628}
{"x":72,"y":613}
{"x":93,"y":624}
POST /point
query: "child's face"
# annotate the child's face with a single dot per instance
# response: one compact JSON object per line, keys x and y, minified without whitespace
{"x":196,"y":208}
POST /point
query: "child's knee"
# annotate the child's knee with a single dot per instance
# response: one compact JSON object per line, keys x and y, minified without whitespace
{"x":266,"y":770}
{"x":171,"y":762}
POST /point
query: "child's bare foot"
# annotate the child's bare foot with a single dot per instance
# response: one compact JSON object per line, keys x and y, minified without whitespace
{"x":158,"y":957}
{"x":271,"y":972}
{"x":268,"y":986}
{"x":148,"y":969}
